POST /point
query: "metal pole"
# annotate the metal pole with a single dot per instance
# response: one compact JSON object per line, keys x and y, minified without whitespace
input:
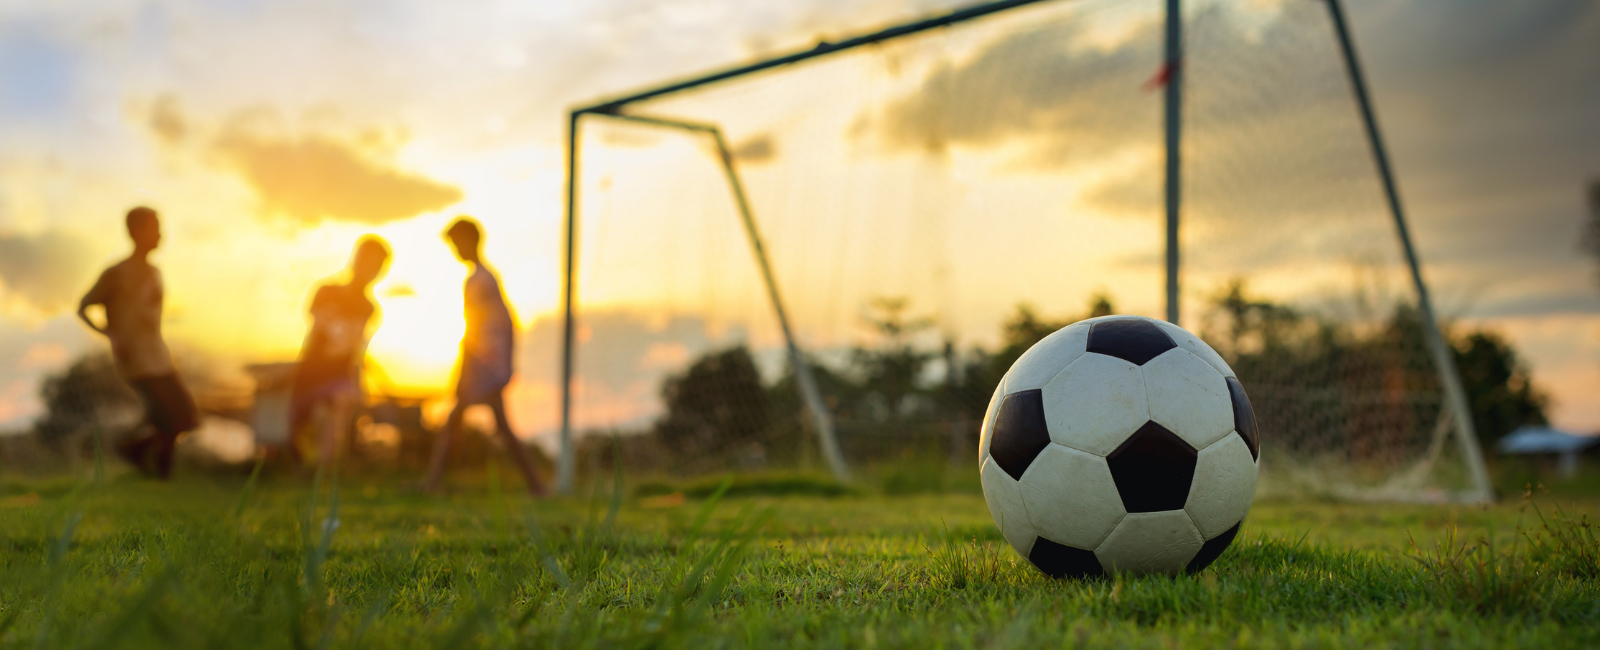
{"x":807,"y":384}
{"x":1443,"y":356}
{"x":564,"y":465}
{"x":1174,"y":123}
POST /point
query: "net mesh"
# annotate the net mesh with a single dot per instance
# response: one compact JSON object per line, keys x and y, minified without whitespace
{"x":932,"y":204}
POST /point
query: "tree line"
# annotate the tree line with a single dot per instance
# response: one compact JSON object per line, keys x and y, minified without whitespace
{"x":1366,"y":391}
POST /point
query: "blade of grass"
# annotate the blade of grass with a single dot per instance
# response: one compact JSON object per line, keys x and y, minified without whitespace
{"x":140,"y":604}
{"x":99,"y":455}
{"x":710,"y":505}
{"x":464,"y":628}
{"x":58,"y":573}
{"x":496,"y":497}
{"x":691,"y":536}
{"x":58,"y":551}
{"x":319,"y":554}
{"x":543,"y":549}
{"x":329,"y":626}
{"x":249,"y":488}
{"x":55,"y":572}
{"x":737,"y":544}
{"x":616,"y":485}
{"x":374,"y":610}
{"x":482,"y":611}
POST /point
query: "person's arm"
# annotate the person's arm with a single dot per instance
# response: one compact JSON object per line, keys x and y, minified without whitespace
{"x":95,"y":296}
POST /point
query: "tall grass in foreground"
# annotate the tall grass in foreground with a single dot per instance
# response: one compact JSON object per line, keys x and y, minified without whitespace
{"x":955,"y":565}
{"x":1484,"y":576}
{"x":1564,"y":543}
{"x":147,"y":565}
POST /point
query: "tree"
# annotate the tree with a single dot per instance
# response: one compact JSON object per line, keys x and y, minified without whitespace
{"x":718,"y":402}
{"x":86,"y":396}
{"x":891,"y":371}
{"x":1502,"y":394}
{"x":1312,"y":378}
{"x":1255,"y":324}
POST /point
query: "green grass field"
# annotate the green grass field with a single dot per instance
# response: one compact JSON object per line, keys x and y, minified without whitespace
{"x":213,"y":562}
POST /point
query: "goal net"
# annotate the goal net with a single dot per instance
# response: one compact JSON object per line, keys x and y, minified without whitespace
{"x":930,"y":204}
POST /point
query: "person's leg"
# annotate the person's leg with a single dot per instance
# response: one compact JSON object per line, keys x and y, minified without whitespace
{"x":172,"y":415}
{"x":166,"y":444}
{"x":134,"y":446}
{"x":519,"y":453}
{"x":337,"y":416}
{"x":306,"y":439}
{"x":441,"y":447}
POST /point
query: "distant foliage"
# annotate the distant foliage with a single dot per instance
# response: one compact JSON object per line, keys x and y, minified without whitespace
{"x":85,"y":396}
{"x":890,"y":372}
{"x":1319,"y":385}
{"x":1311,"y":378}
{"x":1502,"y":394}
{"x":717,"y":403}
{"x":1366,"y":389}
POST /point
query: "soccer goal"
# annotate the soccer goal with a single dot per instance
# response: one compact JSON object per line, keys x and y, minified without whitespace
{"x":825,"y":259}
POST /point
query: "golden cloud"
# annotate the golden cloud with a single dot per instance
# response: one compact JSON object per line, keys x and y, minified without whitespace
{"x":310,"y":177}
{"x":44,"y":271}
{"x":1072,"y":103}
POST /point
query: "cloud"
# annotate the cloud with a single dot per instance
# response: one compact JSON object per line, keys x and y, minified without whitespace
{"x":756,"y":149}
{"x":1276,"y":172}
{"x":44,"y":271}
{"x":167,"y":121}
{"x":1072,"y":100}
{"x":311,"y":177}
{"x":1490,"y":137}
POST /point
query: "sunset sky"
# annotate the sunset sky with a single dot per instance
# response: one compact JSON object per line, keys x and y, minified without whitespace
{"x":271,"y":135}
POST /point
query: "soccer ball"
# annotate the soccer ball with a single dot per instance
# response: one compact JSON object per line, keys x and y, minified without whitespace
{"x":1119,"y":444}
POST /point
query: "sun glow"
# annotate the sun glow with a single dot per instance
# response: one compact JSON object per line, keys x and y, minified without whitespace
{"x":239,"y":294}
{"x":416,"y":345}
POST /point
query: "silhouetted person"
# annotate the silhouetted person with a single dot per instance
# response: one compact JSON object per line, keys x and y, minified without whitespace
{"x":131,"y":293}
{"x":327,"y":381}
{"x":485,"y":365}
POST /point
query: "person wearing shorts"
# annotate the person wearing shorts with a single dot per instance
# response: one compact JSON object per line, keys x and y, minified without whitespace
{"x":484,"y":369}
{"x":131,"y":293}
{"x":327,"y":382}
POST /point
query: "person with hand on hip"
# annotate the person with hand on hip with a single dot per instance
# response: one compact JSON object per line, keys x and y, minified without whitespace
{"x":132,"y":294}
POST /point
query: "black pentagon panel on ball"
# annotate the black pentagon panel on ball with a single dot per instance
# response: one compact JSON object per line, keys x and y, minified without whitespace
{"x":1153,"y":469}
{"x":1212,"y":549}
{"x":1134,"y":341}
{"x":1244,"y":417}
{"x":1062,"y":561}
{"x":1020,"y":432}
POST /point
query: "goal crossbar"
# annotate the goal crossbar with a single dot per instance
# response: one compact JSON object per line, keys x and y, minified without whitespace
{"x":822,"y":48}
